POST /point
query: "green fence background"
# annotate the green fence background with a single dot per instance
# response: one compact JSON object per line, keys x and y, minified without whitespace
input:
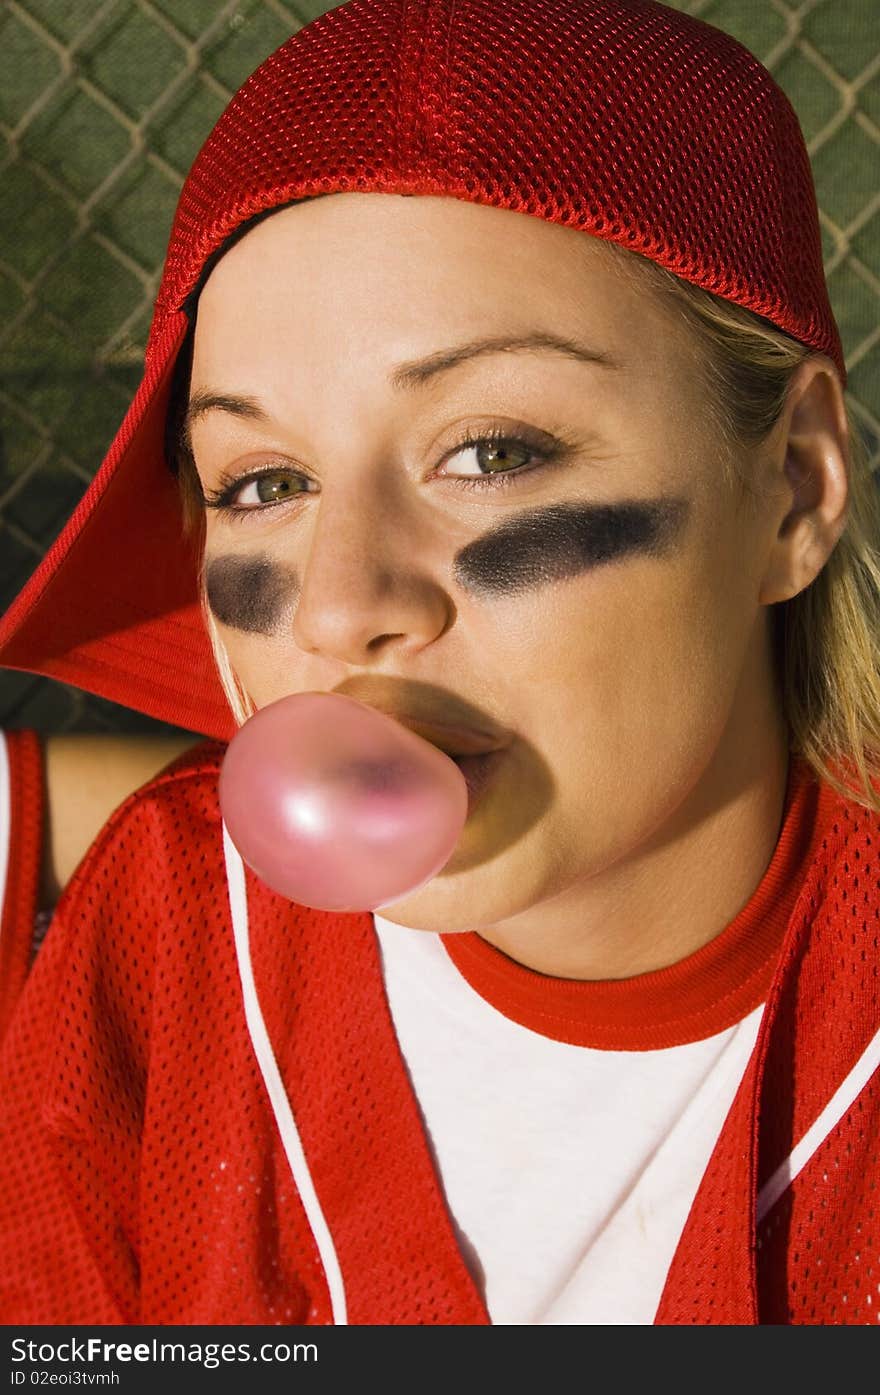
{"x":102,"y":108}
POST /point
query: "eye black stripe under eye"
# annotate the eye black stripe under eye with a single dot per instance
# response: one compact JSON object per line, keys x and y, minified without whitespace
{"x":249,"y":593}
{"x":535,"y":548}
{"x":551,"y":544}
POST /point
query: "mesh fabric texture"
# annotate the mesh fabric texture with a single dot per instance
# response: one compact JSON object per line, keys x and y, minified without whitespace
{"x":22,"y":844}
{"x":621,"y":118}
{"x":142,"y":1178}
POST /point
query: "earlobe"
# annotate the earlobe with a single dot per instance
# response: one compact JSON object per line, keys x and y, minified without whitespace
{"x":814,"y":459}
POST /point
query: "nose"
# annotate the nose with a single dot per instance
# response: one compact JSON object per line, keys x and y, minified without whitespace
{"x":365,"y":586}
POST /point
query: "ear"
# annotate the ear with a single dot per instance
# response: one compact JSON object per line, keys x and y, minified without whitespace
{"x":810,"y":464}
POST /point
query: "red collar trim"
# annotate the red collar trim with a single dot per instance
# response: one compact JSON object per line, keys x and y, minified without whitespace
{"x":705,"y":993}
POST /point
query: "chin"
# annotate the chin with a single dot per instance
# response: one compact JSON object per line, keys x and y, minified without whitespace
{"x":455,"y":902}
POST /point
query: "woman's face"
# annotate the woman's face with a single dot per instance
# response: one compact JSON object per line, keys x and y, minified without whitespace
{"x":581,"y":587}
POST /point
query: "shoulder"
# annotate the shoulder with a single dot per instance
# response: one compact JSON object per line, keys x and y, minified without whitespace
{"x":818,"y":1053}
{"x":824,"y":1001}
{"x":191,"y":776}
{"x":140,"y":917}
{"x":190,"y":780}
{"x":87,"y":776}
{"x":824,"y":987}
{"x":845,"y":842}
{"x":840,"y":867}
{"x":171,"y":821}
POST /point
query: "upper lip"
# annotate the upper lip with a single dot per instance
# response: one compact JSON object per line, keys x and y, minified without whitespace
{"x":453,"y":740}
{"x":447,"y":722}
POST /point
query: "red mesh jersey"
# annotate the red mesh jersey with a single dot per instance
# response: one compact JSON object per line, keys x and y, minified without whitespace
{"x":142,"y":1178}
{"x":22,"y":804}
{"x":619,"y":119}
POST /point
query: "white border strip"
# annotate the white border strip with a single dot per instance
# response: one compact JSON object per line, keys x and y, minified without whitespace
{"x":831,"y":1115}
{"x":293,"y":1147}
{"x":5,"y":820}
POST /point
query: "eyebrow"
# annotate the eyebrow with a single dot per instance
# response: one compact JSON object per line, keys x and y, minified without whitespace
{"x":419,"y":371}
{"x":416,"y":372}
{"x":202,"y":402}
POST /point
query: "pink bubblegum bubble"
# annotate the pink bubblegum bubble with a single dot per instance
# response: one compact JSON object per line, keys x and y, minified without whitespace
{"x":336,"y":805}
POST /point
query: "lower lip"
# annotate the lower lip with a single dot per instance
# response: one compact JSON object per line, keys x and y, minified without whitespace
{"x":478,"y":772}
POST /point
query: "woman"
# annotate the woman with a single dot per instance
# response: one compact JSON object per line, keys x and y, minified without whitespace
{"x":590,"y":521}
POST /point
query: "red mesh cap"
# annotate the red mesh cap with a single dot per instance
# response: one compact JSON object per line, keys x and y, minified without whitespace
{"x":621,"y":118}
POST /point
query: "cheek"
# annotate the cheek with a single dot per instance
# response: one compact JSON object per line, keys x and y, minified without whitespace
{"x":250,"y":595}
{"x":252,"y":600}
{"x":268,"y":667}
{"x":637,"y":662}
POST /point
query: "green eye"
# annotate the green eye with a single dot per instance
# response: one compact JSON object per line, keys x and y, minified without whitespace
{"x":239,"y":497}
{"x":497,"y":457}
{"x":273,"y":488}
{"x":494,"y":457}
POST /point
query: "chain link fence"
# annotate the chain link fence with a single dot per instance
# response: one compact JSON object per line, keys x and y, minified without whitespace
{"x":103,"y":107}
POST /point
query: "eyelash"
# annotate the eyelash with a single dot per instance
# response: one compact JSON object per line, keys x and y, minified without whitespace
{"x":550,"y":449}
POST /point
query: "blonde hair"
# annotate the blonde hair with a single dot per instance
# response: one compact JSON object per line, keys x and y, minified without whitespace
{"x":827,"y":638}
{"x":240,"y":702}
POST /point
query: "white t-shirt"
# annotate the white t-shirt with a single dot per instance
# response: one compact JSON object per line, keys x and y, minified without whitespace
{"x":569,"y":1171}
{"x":571,"y":1123}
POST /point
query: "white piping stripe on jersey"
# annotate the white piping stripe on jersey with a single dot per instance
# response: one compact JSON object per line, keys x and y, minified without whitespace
{"x":831,"y":1115}
{"x":5,"y":820}
{"x":235,"y":879}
